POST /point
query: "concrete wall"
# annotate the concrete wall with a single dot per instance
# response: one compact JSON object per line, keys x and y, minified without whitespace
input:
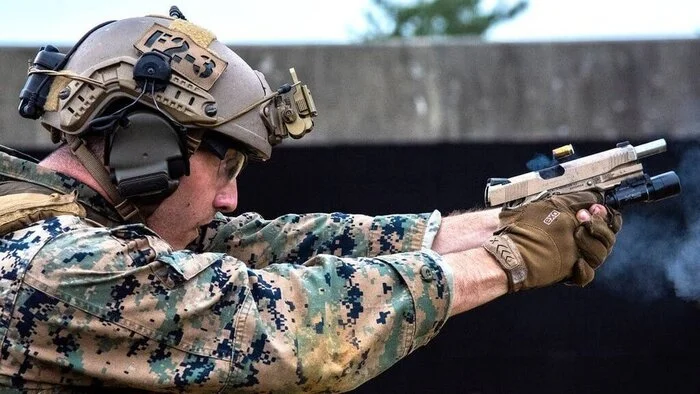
{"x":463,"y":91}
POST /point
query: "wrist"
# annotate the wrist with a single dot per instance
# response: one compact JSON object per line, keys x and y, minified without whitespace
{"x":465,"y":231}
{"x":477,"y":279}
{"x":508,"y":257}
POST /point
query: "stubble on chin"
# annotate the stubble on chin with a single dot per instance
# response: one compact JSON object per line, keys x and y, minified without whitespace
{"x":175,"y":226}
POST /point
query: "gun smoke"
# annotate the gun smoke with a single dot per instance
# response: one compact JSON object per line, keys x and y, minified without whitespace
{"x":656,"y":254}
{"x":540,"y":162}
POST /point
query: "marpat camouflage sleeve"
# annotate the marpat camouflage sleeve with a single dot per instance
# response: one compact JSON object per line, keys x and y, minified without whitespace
{"x":90,"y":305}
{"x":296,"y":238}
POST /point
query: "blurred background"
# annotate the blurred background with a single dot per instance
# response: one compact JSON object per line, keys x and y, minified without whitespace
{"x":419,"y":103}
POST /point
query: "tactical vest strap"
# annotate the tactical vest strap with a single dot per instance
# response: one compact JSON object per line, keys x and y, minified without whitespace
{"x":20,"y":210}
{"x":125,"y":208}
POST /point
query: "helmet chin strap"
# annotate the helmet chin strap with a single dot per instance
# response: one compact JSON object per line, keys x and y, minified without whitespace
{"x":126,"y":209}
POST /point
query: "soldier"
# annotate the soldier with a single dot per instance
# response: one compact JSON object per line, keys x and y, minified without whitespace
{"x":119,"y":269}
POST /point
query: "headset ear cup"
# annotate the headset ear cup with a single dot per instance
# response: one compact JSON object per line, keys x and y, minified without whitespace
{"x":146,"y":156}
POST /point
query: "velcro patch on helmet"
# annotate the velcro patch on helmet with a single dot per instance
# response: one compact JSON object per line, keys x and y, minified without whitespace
{"x":58,"y":84}
{"x":194,"y":62}
{"x":200,"y":35}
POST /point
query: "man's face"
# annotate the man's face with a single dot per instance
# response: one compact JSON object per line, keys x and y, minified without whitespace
{"x":210,"y":187}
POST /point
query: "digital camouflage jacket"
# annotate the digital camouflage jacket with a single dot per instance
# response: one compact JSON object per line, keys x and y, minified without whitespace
{"x":316,"y":302}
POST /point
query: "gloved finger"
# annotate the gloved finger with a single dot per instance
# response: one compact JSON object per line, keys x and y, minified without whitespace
{"x":612,"y":216}
{"x":614,"y":220}
{"x":598,"y":210}
{"x":599,"y":229}
{"x":594,"y":254}
{"x":583,"y":215}
{"x":590,"y":249}
{"x":581,"y":273}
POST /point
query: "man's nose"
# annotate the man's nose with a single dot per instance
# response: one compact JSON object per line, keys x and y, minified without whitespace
{"x":226,"y":198}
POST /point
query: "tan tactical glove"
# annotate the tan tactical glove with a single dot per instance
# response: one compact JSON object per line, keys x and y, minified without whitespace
{"x":543,"y":242}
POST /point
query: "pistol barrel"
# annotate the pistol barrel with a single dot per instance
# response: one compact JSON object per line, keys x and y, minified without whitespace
{"x":650,"y":148}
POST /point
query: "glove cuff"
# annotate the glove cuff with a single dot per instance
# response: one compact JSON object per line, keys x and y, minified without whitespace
{"x":506,"y":253}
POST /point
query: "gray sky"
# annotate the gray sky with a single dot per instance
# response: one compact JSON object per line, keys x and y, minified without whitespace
{"x":324,"y":21}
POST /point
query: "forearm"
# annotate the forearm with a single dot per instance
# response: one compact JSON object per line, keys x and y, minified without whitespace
{"x":477,"y":278}
{"x":297,"y":238}
{"x":465,"y":231}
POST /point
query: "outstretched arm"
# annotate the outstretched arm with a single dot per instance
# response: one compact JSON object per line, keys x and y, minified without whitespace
{"x":295,"y":238}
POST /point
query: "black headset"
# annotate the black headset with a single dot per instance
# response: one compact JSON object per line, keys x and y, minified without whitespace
{"x":145,"y":151}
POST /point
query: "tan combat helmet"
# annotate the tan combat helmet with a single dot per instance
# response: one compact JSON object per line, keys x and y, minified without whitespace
{"x":210,"y":86}
{"x":191,"y":85}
